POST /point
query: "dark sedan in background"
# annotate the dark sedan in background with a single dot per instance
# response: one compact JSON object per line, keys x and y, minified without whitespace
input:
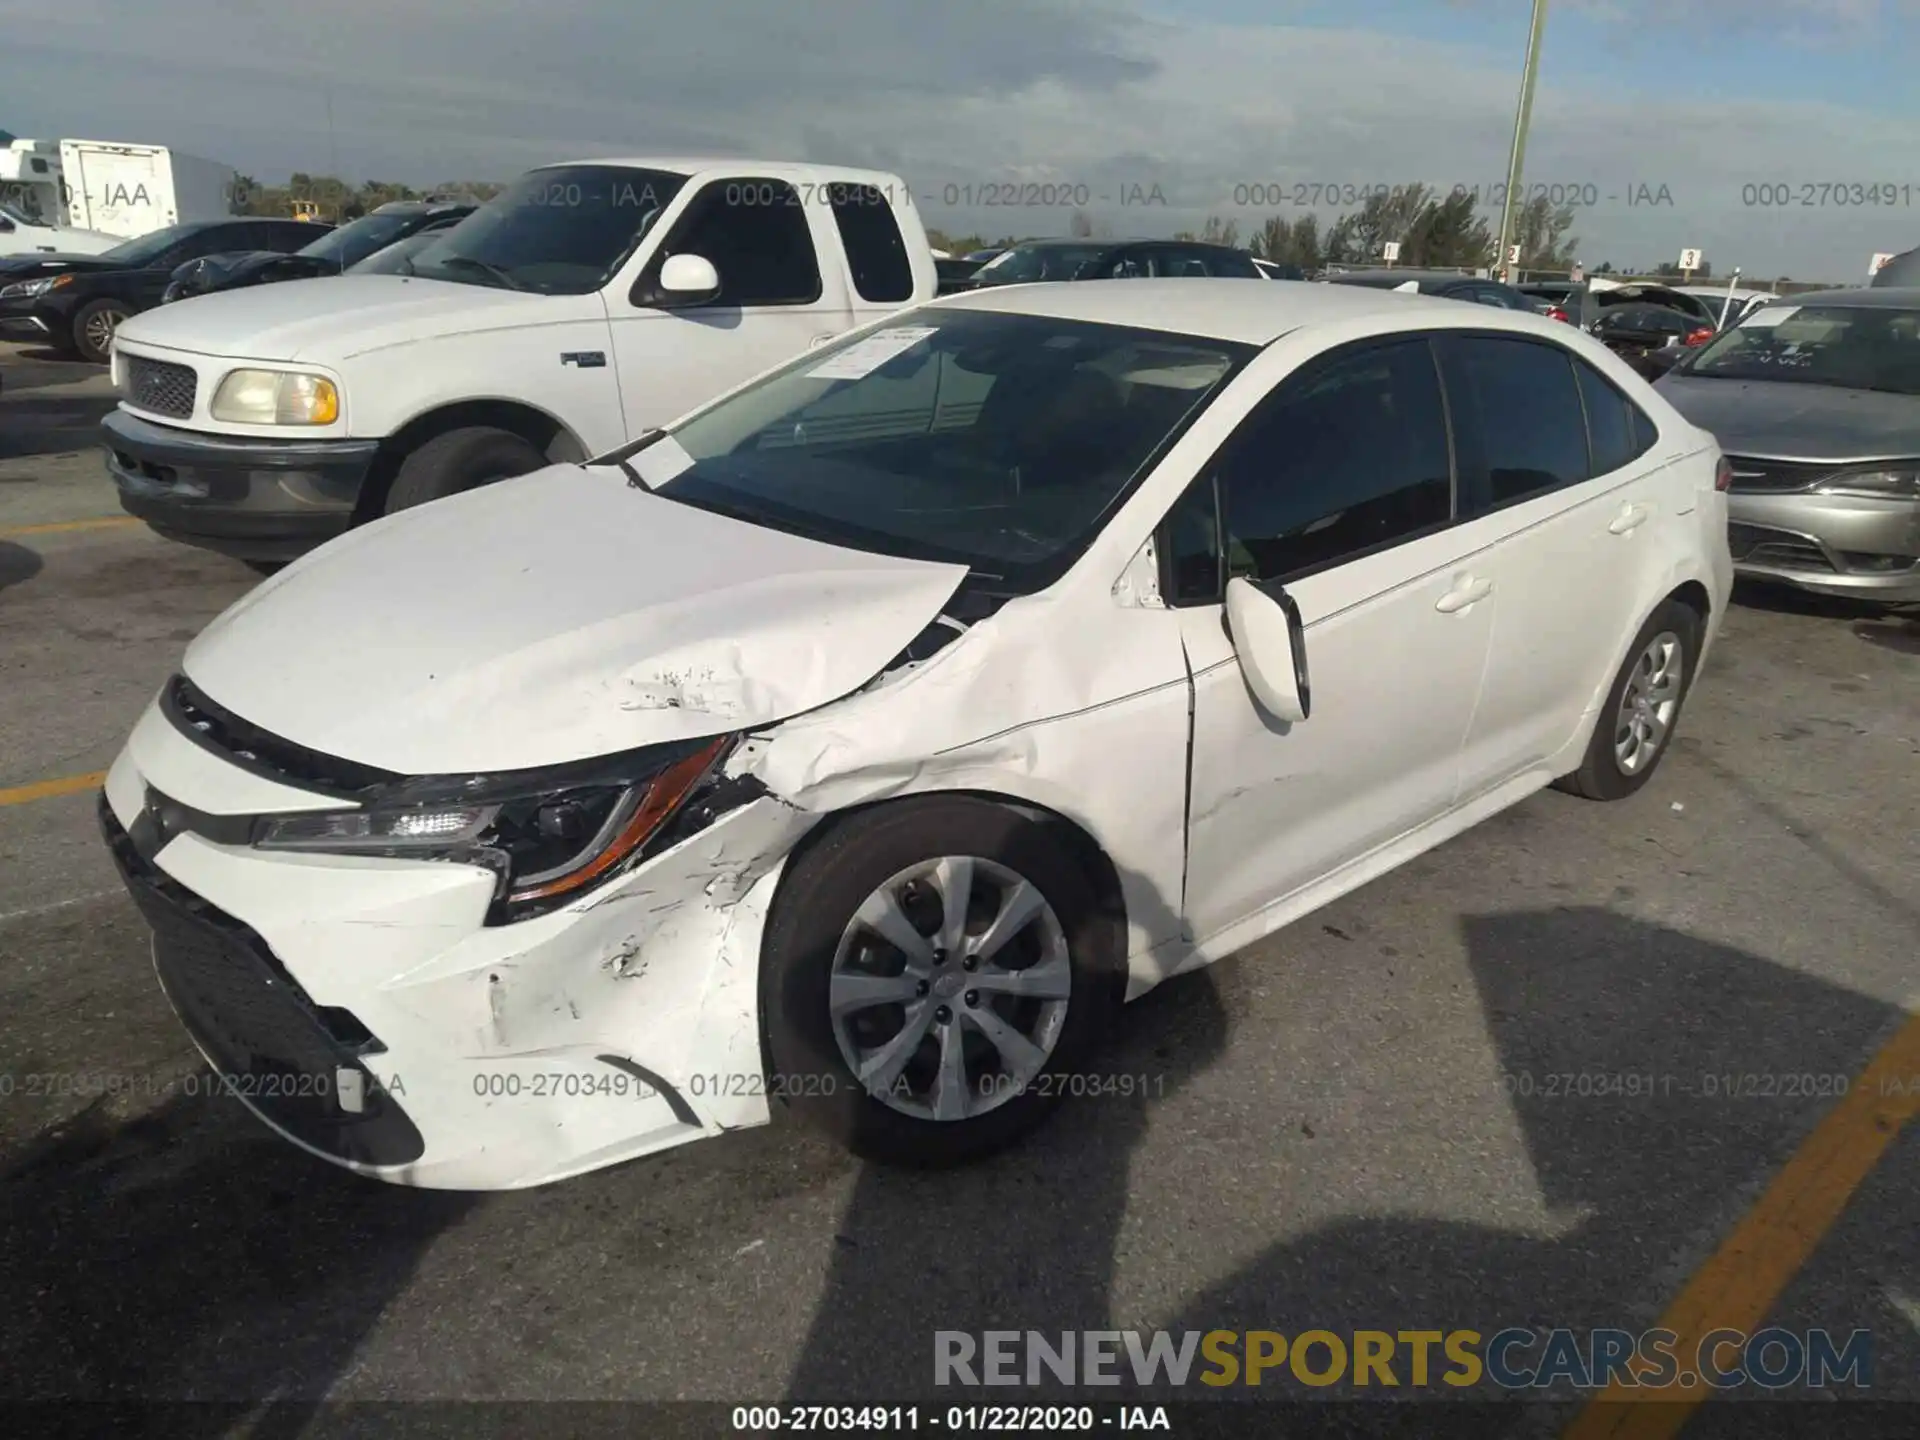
{"x":1448,"y":284}
{"x":330,"y":254}
{"x":1816,"y":401}
{"x":74,"y":303}
{"x":1041,"y":260}
{"x":1651,"y":338}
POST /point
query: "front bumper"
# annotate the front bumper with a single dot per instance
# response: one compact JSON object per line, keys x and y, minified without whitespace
{"x":1828,"y":544}
{"x":364,"y":1009}
{"x":30,"y":319}
{"x":252,"y":499}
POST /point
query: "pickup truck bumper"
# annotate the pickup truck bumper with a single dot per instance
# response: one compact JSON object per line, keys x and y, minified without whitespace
{"x":251,"y":499}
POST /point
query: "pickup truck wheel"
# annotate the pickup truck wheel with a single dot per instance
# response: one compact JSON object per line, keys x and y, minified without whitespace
{"x":93,"y":327}
{"x":460,"y":460}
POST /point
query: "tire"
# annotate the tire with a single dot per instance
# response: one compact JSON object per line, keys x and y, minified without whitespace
{"x":265,"y":567}
{"x":1614,"y":769}
{"x":460,"y":460}
{"x":1068,"y":944}
{"x":93,"y":327}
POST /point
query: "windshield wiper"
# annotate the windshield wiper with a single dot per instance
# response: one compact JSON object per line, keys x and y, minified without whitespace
{"x":627,"y":451}
{"x":485,"y":267}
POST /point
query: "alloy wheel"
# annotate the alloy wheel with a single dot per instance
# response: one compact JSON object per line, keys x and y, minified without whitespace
{"x":949,"y":988}
{"x":1648,"y":703}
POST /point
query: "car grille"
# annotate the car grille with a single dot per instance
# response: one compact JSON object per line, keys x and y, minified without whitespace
{"x":160,"y":386}
{"x":267,"y":1041}
{"x":248,"y":746}
{"x":1775,"y":549}
{"x":1774,"y":477}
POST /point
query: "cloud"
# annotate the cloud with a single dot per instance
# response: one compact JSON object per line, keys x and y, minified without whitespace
{"x":1106,"y":100}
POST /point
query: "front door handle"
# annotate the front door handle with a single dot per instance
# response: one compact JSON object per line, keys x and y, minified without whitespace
{"x":1466,"y":590}
{"x":1630,"y":516}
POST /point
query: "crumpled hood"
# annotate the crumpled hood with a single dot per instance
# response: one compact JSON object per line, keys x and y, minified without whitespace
{"x":335,"y":317}
{"x":1781,"y":420}
{"x":556,"y":617}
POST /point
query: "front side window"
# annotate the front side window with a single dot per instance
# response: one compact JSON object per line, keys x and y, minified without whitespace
{"x":1526,"y":407}
{"x":756,"y":234}
{"x":565,"y":230}
{"x":152,"y":248}
{"x":1001,"y":442}
{"x":1349,"y":455}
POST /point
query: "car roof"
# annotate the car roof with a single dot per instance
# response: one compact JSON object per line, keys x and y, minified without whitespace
{"x":1400,"y":277}
{"x":1249,"y":313}
{"x":769,"y":169}
{"x":1890,"y":297}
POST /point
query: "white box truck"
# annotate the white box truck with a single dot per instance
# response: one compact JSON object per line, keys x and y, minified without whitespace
{"x":33,"y":206}
{"x":132,"y":190}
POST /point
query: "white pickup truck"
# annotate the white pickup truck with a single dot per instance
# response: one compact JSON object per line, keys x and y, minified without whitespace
{"x":585,"y":304}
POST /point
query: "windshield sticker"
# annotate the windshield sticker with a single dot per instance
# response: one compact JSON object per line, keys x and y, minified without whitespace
{"x":1770,"y":315}
{"x":858,"y":361}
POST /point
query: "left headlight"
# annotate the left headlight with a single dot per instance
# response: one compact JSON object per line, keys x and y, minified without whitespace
{"x":276,"y":397}
{"x":1875,"y":484}
{"x":27,"y":289}
{"x":545,"y":839}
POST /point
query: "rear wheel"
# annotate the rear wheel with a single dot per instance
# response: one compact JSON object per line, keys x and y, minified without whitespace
{"x":94,"y":324}
{"x":1637,"y":721}
{"x":460,"y":460}
{"x":934,"y":973}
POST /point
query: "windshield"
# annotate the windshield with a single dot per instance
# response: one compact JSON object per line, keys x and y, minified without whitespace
{"x":147,"y":248}
{"x":1856,"y":347}
{"x":397,"y":258}
{"x":1039,"y":262}
{"x":1001,"y":442}
{"x":16,"y":214}
{"x":355,"y":242}
{"x":559,"y":231}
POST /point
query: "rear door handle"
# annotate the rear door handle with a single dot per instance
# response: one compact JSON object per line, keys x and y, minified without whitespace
{"x":1465,"y":591}
{"x":1629,"y":517}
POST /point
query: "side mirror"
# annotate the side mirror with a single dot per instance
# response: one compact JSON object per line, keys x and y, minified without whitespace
{"x":688,"y":280}
{"x":6,"y":226}
{"x":1271,"y":643}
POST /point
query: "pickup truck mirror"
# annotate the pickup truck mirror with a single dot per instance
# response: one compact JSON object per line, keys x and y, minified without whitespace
{"x":687,"y":280}
{"x":6,"y":226}
{"x":1271,"y":644}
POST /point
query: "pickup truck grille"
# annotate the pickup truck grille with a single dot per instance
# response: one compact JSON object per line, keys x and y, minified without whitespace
{"x":160,"y":386}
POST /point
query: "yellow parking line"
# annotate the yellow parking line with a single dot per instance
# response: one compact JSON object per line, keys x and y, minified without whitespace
{"x":58,"y":527}
{"x":1737,"y":1288}
{"x":48,"y":789}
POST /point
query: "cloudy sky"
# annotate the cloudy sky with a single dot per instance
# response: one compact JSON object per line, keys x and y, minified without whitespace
{"x":1731,"y":105}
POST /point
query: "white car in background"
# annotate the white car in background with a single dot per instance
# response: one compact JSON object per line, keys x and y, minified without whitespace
{"x":1729,"y":307}
{"x":865,"y":738}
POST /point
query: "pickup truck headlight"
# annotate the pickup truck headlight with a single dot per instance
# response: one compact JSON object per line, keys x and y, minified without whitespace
{"x":27,"y":289}
{"x":545,"y":842}
{"x":1875,"y":484}
{"x":276,"y":397}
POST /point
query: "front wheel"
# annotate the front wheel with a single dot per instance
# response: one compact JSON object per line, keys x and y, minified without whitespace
{"x":460,"y":460}
{"x":94,"y":325}
{"x":936,"y":973}
{"x":1636,"y":723}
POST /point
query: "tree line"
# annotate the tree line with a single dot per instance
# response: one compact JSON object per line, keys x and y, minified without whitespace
{"x":342,"y":200}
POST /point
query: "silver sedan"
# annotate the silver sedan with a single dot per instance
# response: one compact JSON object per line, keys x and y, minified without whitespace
{"x":1817,"y":404}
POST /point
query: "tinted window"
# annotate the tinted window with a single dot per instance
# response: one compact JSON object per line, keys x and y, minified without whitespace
{"x":1026,"y":263}
{"x":1347,"y":455}
{"x":876,"y":252}
{"x":1191,"y":541}
{"x":286,"y":236}
{"x":1614,"y":423}
{"x":755,"y":233}
{"x":1528,"y":407}
{"x":215,"y":240}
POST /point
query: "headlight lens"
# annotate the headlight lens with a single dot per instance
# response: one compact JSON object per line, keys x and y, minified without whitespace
{"x":26,"y":289}
{"x":544,"y":844}
{"x":1876,"y":484}
{"x":276,"y":397}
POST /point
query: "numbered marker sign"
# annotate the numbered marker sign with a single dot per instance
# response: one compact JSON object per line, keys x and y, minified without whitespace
{"x":1577,"y":275}
{"x":1513,"y":255}
{"x":1689,"y":259}
{"x":1391,"y":251}
{"x":1879,"y":261}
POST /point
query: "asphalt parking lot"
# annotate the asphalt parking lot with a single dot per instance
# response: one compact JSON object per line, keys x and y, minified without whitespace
{"x":1359,"y":1123}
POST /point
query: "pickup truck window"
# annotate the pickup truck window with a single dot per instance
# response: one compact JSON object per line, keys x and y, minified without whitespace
{"x":755,"y":233}
{"x":1002,"y":442}
{"x":564,"y":230}
{"x":876,"y":251}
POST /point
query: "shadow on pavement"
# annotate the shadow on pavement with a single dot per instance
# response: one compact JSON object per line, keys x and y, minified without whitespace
{"x":191,"y":1254}
{"x":39,"y":422}
{"x":17,"y":564}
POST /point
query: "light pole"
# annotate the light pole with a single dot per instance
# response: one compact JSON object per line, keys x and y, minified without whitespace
{"x":1517,"y":158}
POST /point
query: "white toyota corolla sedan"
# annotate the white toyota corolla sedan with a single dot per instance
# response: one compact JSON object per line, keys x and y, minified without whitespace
{"x":862,"y":741}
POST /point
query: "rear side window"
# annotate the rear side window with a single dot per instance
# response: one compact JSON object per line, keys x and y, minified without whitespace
{"x":1347,"y":456}
{"x":1527,"y":405}
{"x":755,"y":232}
{"x":876,"y":251}
{"x":1618,"y":432}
